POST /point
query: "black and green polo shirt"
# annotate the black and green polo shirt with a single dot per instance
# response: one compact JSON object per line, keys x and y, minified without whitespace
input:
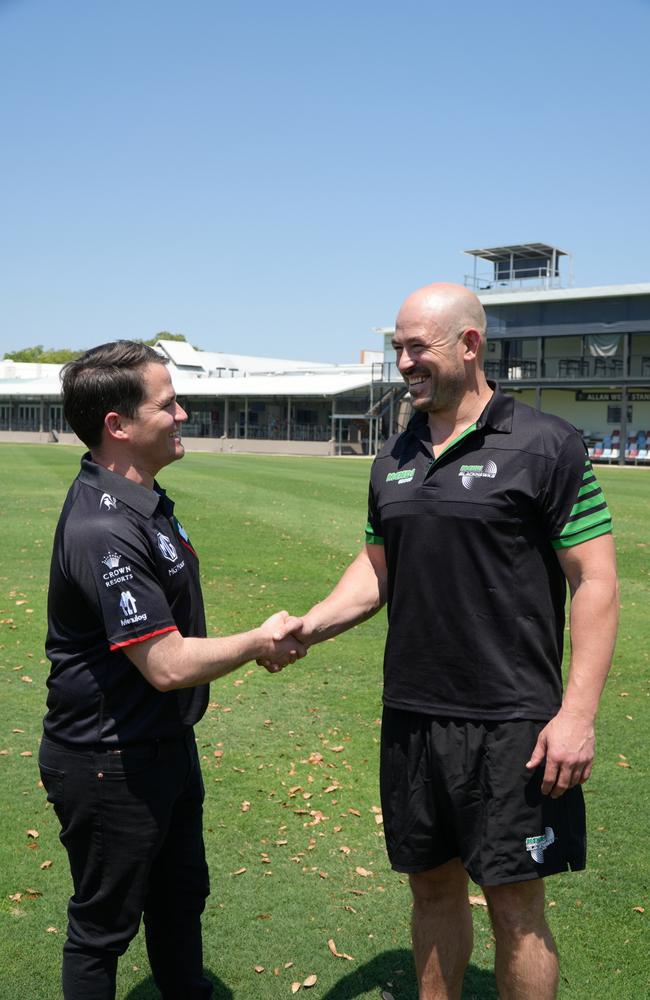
{"x":475,"y":591}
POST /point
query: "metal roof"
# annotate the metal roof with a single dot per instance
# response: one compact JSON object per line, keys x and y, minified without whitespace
{"x":562,"y":294}
{"x":258,"y":386}
{"x":528,"y":250}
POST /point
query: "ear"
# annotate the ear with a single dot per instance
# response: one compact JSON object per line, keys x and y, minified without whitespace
{"x":115,"y":426}
{"x":472,"y":341}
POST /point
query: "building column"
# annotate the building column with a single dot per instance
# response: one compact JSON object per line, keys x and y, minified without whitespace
{"x":624,"y":403}
{"x":225,"y":417}
{"x":288,"y":418}
{"x":245,"y":417}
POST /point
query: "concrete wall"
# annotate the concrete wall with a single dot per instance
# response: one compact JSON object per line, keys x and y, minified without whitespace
{"x":239,"y":445}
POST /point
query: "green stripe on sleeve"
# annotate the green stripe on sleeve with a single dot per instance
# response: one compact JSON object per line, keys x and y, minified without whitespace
{"x":589,"y":488}
{"x":582,"y":536}
{"x":583,"y":505}
{"x":371,"y":537}
{"x":586,"y":521}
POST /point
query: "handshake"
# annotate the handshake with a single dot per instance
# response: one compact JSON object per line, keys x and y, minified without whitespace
{"x":283,"y":639}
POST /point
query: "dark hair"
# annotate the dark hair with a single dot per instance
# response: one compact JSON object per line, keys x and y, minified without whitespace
{"x":105,"y":378}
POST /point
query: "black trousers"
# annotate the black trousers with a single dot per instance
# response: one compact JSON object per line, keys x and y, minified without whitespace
{"x":131,"y":822}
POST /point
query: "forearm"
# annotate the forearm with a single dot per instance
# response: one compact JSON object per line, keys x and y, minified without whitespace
{"x":171,"y":661}
{"x":358,"y":595}
{"x":594,"y":619}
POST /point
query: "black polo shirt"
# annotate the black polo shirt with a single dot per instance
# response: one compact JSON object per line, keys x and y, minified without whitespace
{"x":475,"y":591}
{"x":123,"y":570}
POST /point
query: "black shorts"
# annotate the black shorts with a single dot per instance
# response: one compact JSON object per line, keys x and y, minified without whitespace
{"x":457,"y":788}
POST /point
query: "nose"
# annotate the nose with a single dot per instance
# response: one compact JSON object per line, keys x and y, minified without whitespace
{"x":404,"y":361}
{"x":179,"y":414}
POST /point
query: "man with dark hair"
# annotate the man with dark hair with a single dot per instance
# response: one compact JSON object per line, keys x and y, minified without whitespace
{"x":130,"y":667}
{"x":479,"y":514}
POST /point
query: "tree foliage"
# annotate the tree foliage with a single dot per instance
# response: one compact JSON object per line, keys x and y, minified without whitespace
{"x":42,"y":355}
{"x":59,"y":355}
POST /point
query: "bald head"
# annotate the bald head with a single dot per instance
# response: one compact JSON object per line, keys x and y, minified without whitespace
{"x":439,"y":345}
{"x":452,"y":308}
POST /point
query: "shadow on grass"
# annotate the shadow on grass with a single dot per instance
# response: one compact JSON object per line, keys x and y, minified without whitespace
{"x":393,"y":971}
{"x":147,"y":989}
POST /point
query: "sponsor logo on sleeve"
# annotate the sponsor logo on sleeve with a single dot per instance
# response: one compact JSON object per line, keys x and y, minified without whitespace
{"x":537,"y":845}
{"x":400,"y":477}
{"x":114,"y":572}
{"x":166,"y":546}
{"x":129,"y":609}
{"x":468,"y":473}
{"x":108,"y":502}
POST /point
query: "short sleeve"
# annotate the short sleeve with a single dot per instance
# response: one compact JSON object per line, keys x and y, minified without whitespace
{"x":574,"y":506}
{"x":373,"y":527}
{"x":113,"y":565}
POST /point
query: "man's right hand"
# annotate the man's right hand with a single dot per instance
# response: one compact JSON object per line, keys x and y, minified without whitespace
{"x":279,"y":643}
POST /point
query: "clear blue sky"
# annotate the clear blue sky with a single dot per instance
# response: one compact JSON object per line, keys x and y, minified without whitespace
{"x":273,"y":177}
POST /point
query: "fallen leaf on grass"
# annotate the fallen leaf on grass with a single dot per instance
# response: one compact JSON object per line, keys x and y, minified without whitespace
{"x":18,"y":730}
{"x":354,"y":812}
{"x":350,"y":909}
{"x":338,"y":954}
{"x":362,"y":871}
{"x":34,"y":834}
{"x":337,"y":749}
{"x":16,"y":897}
{"x":218,"y":754}
{"x":27,"y":753}
{"x":638,"y":909}
{"x":315,"y":758}
{"x":295,"y":987}
{"x":240,"y":871}
{"x":26,"y":680}
{"x":32,"y":894}
{"x":623,"y":763}
{"x":310,"y":981}
{"x":344,"y":849}
{"x":477,"y":901}
{"x":245,"y":806}
{"x":46,"y":864}
{"x":52,"y":930}
{"x":259,"y":968}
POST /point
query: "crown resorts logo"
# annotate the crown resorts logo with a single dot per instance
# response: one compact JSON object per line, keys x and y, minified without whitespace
{"x":468,"y":473}
{"x":111,"y":560}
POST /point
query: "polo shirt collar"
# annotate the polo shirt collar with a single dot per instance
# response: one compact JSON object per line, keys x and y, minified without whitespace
{"x":139,"y":498}
{"x":497,"y":415}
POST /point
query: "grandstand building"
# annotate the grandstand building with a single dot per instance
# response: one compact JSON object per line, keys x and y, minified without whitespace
{"x":582,"y":353}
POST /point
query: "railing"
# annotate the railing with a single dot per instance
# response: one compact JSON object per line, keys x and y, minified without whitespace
{"x":585,"y":367}
{"x":272,"y":430}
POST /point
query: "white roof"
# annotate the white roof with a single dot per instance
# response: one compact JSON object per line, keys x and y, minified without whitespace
{"x":184,"y":356}
{"x":560,"y":294}
{"x":297,"y":384}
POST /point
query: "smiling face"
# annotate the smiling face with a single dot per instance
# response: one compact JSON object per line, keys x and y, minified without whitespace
{"x":430,"y":349}
{"x":154,"y":433}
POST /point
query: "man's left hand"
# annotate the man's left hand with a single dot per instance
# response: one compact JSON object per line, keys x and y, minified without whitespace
{"x":567,"y":743}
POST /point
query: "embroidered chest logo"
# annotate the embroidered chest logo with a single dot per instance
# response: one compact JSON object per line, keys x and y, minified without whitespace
{"x":108,"y":502}
{"x":537,"y":845}
{"x":166,"y":547}
{"x":403,"y":476}
{"x":468,"y":473}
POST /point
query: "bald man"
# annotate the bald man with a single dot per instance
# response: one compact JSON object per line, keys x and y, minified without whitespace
{"x":480,"y":512}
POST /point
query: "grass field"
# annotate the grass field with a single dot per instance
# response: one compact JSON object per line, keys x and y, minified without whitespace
{"x":301,"y":748}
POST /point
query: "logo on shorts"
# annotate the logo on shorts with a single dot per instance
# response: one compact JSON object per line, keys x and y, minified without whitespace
{"x":468,"y":473}
{"x":537,"y":845}
{"x":107,"y":501}
{"x":403,"y":476}
{"x":166,"y":547}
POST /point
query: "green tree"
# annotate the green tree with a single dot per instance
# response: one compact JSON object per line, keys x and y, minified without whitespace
{"x":50,"y":356}
{"x":165,"y":335}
